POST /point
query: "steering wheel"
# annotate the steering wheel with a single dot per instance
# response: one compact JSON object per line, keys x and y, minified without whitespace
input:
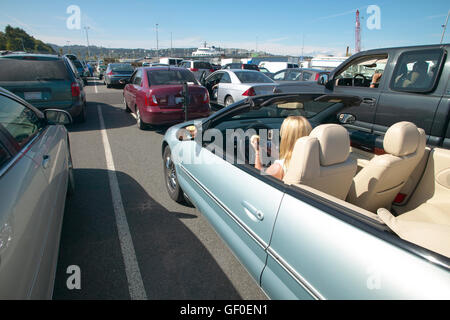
{"x":245,"y":143}
{"x":358,"y":75}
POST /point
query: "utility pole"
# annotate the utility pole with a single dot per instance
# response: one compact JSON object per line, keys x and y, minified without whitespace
{"x":171,"y":54}
{"x":357,"y":34}
{"x":157,"y":45}
{"x":87,"y":40}
{"x":445,"y":27}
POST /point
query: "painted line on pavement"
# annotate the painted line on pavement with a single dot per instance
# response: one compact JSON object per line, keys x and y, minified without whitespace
{"x":135,"y":283}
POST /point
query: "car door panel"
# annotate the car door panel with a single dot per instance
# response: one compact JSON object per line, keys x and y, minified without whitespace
{"x":317,"y":247}
{"x":24,"y":212}
{"x":233,"y":205}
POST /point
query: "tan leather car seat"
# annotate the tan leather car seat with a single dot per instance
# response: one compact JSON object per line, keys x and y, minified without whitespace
{"x":378,"y":183}
{"x":321,"y":161}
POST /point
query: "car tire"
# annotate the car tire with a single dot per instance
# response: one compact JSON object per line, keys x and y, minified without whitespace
{"x":71,"y":179}
{"x":83,"y":115}
{"x":229,"y":101}
{"x":127,"y":109}
{"x":170,"y":177}
{"x":108,"y":85}
{"x":141,"y":124}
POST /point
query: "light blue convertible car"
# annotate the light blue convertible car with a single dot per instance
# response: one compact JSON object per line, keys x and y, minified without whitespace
{"x":331,"y":229}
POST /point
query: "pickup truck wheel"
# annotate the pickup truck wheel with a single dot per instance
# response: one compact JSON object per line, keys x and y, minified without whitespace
{"x":170,"y":177}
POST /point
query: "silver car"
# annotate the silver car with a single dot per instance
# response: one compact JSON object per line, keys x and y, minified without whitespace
{"x":198,"y":68}
{"x":35,"y":176}
{"x":226,"y":87}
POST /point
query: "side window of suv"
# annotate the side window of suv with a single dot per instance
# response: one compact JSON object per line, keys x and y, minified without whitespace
{"x":19,"y":121}
{"x":417,"y":71}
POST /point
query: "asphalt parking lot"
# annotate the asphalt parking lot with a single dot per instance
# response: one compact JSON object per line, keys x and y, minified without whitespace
{"x":178,"y":255}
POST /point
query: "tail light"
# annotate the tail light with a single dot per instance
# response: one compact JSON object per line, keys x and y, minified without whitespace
{"x":110,"y":73}
{"x":211,"y":70}
{"x":76,"y":91}
{"x":206,"y":97}
{"x":249,"y":92}
{"x":317,"y":76}
{"x":193,"y":69}
{"x":151,"y":101}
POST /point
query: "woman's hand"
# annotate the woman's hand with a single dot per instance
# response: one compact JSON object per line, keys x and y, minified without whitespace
{"x":254,"y":141}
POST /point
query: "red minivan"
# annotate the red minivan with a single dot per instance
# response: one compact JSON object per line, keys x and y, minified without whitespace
{"x":155,"y":96}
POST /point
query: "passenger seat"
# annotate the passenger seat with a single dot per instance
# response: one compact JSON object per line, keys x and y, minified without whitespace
{"x":378,"y":183}
{"x":321,"y":161}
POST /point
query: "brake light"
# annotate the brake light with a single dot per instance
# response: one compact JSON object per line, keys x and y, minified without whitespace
{"x":211,"y":70}
{"x":151,"y":101}
{"x":193,"y":69}
{"x":206,"y":97}
{"x":249,"y":92}
{"x":317,"y":76}
{"x":76,"y":91}
{"x":110,"y":73}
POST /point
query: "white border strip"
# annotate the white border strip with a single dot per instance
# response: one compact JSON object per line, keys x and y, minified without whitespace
{"x":135,"y":283}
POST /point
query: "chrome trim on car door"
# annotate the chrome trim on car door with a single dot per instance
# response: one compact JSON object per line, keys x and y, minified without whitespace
{"x":236,"y":219}
{"x":295,"y":275}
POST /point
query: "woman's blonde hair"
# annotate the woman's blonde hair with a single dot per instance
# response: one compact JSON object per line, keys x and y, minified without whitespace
{"x":293,"y":128}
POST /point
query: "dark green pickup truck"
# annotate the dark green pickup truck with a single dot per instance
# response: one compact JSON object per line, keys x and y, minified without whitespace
{"x":395,"y":84}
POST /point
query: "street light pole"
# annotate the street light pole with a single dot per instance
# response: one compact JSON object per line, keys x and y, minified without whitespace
{"x":445,"y":26}
{"x":87,"y":39}
{"x":157,"y":45}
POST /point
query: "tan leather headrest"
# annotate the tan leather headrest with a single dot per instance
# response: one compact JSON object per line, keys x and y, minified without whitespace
{"x":401,"y":139}
{"x":334,"y":143}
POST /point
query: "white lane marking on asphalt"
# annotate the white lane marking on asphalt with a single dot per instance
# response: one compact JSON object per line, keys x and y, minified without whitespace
{"x":135,"y":283}
{"x":95,"y":85}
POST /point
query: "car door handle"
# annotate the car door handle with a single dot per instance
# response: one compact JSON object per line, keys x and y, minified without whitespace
{"x":369,"y":101}
{"x":45,"y":161}
{"x":252,"y":212}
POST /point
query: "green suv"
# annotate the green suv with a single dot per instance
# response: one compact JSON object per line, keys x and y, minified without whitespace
{"x":45,"y":81}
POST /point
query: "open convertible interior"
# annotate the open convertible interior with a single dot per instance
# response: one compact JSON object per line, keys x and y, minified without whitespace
{"x":406,"y":189}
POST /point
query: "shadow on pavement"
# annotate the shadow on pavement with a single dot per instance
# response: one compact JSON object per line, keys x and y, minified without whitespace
{"x":174,"y":264}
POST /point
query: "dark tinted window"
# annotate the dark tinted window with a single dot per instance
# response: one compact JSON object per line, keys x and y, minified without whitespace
{"x":4,"y":155}
{"x":234,"y":66}
{"x":202,"y":65}
{"x":21,"y":122}
{"x":122,"y":67}
{"x":417,"y":71}
{"x":161,"y":77}
{"x":32,"y":70}
{"x":252,"y":77}
{"x":250,"y":66}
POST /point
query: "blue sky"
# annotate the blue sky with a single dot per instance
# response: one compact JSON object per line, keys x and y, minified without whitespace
{"x":326,"y":26}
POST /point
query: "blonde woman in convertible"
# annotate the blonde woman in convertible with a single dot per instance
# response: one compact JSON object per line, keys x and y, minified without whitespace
{"x":292,"y":128}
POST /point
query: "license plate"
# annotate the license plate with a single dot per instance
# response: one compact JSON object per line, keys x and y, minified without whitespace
{"x":33,"y":95}
{"x":179,"y":100}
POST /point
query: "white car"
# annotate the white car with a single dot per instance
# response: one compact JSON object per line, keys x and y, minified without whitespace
{"x":228,"y":86}
{"x":198,"y":68}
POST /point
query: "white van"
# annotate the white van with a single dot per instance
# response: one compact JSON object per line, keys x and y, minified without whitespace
{"x":277,"y":66}
{"x":170,"y":61}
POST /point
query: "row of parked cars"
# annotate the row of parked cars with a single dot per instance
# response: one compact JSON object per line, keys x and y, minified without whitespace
{"x":363,"y":209}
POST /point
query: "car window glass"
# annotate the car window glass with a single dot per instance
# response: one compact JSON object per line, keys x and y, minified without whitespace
{"x":21,"y":122}
{"x":4,"y":155}
{"x":138,"y":78}
{"x":294,"y":75}
{"x":306,"y":76}
{"x":161,"y":77}
{"x":225,"y":78}
{"x":252,"y":77}
{"x":279,"y":75}
{"x":360,"y":72}
{"x":202,"y":65}
{"x":32,"y":70}
{"x":417,"y":71}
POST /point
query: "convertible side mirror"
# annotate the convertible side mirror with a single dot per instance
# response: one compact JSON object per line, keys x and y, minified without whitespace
{"x":55,"y":116}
